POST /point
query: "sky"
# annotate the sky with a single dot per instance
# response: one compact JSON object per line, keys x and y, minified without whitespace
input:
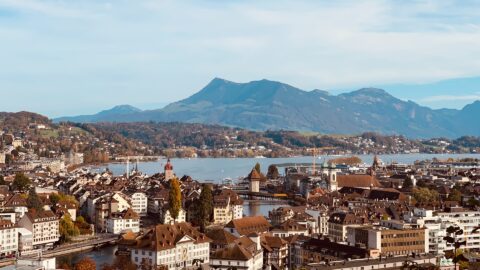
{"x":64,"y":57}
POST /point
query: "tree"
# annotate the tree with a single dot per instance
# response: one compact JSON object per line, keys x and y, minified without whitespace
{"x":67,"y":228}
{"x":204,"y":207}
{"x":54,"y":199}
{"x":455,"y":195}
{"x":21,"y":182}
{"x":2,"y":180}
{"x":257,"y":168}
{"x":120,"y":263}
{"x":33,"y":201}
{"x":272,"y":172}
{"x":85,"y":263}
{"x":425,"y":195}
{"x":407,"y":183}
{"x":175,"y":198}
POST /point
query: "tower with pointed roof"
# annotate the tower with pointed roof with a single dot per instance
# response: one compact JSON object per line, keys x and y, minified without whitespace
{"x":168,"y":171}
{"x":254,"y":181}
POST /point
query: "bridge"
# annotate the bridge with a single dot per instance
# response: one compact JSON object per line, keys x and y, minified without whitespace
{"x":265,"y":196}
{"x":101,"y":240}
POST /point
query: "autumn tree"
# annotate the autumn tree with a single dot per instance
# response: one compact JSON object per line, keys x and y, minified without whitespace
{"x":67,"y":228}
{"x":455,"y":195}
{"x":120,"y":263}
{"x":175,"y":198}
{"x":85,"y":263}
{"x":353,"y":160}
{"x":272,"y":172}
{"x":258,"y":168}
{"x":21,"y":182}
{"x":425,"y":195}
{"x":33,"y":201}
{"x":204,"y":207}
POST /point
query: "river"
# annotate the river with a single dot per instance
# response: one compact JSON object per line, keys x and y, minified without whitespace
{"x":217,"y":169}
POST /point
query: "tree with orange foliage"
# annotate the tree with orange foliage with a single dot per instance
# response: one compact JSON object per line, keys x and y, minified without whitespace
{"x":85,"y":264}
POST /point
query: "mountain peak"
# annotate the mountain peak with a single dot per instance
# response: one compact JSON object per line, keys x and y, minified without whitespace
{"x":371,"y":91}
{"x":121,"y":109}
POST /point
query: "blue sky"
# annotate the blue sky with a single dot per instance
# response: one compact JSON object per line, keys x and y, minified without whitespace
{"x":74,"y":57}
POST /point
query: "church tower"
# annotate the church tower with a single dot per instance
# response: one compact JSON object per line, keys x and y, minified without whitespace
{"x":168,"y":170}
{"x":332,"y":178}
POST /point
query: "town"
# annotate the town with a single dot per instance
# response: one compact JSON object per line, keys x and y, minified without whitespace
{"x":339,"y":214}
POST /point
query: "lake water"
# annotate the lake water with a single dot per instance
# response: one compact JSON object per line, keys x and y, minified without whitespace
{"x":105,"y":255}
{"x":217,"y":169}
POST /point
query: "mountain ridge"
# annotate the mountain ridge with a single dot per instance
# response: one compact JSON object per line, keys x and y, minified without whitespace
{"x":273,"y":105}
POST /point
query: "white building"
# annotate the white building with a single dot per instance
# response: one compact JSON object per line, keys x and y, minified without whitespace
{"x":175,"y":246}
{"x":119,"y":223}
{"x":438,"y":222}
{"x":44,"y":227}
{"x":139,"y":202}
{"x":166,"y":218}
{"x":246,"y":253}
{"x":227,"y":206}
{"x":8,"y":238}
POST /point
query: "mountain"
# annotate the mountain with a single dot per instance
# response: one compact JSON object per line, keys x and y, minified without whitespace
{"x":111,"y":115}
{"x":264,"y":104}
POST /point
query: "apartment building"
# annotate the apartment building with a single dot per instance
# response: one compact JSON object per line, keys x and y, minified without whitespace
{"x":437,"y":223}
{"x":227,"y":206}
{"x":340,"y":221}
{"x":44,"y":226}
{"x":139,"y":202}
{"x":124,"y":221}
{"x":8,"y":238}
{"x":391,"y":238}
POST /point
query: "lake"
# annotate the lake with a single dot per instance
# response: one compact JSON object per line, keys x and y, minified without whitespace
{"x":217,"y":169}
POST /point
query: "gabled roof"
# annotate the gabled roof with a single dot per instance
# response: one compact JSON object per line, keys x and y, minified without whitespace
{"x":233,"y":252}
{"x":291,"y":225}
{"x":130,"y":214}
{"x":221,"y":237}
{"x":272,"y":242}
{"x":247,"y":225}
{"x":357,"y":180}
{"x":166,"y":236}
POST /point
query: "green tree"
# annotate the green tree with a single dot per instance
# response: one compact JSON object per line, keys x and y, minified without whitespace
{"x":67,"y":228}
{"x":54,"y":198}
{"x":21,"y":182}
{"x":272,"y":172}
{"x":33,"y":201}
{"x":175,"y":198}
{"x":407,"y":183}
{"x":204,"y":207}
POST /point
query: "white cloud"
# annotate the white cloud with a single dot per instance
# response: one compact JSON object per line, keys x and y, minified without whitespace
{"x":166,"y":50}
{"x":438,"y":98}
